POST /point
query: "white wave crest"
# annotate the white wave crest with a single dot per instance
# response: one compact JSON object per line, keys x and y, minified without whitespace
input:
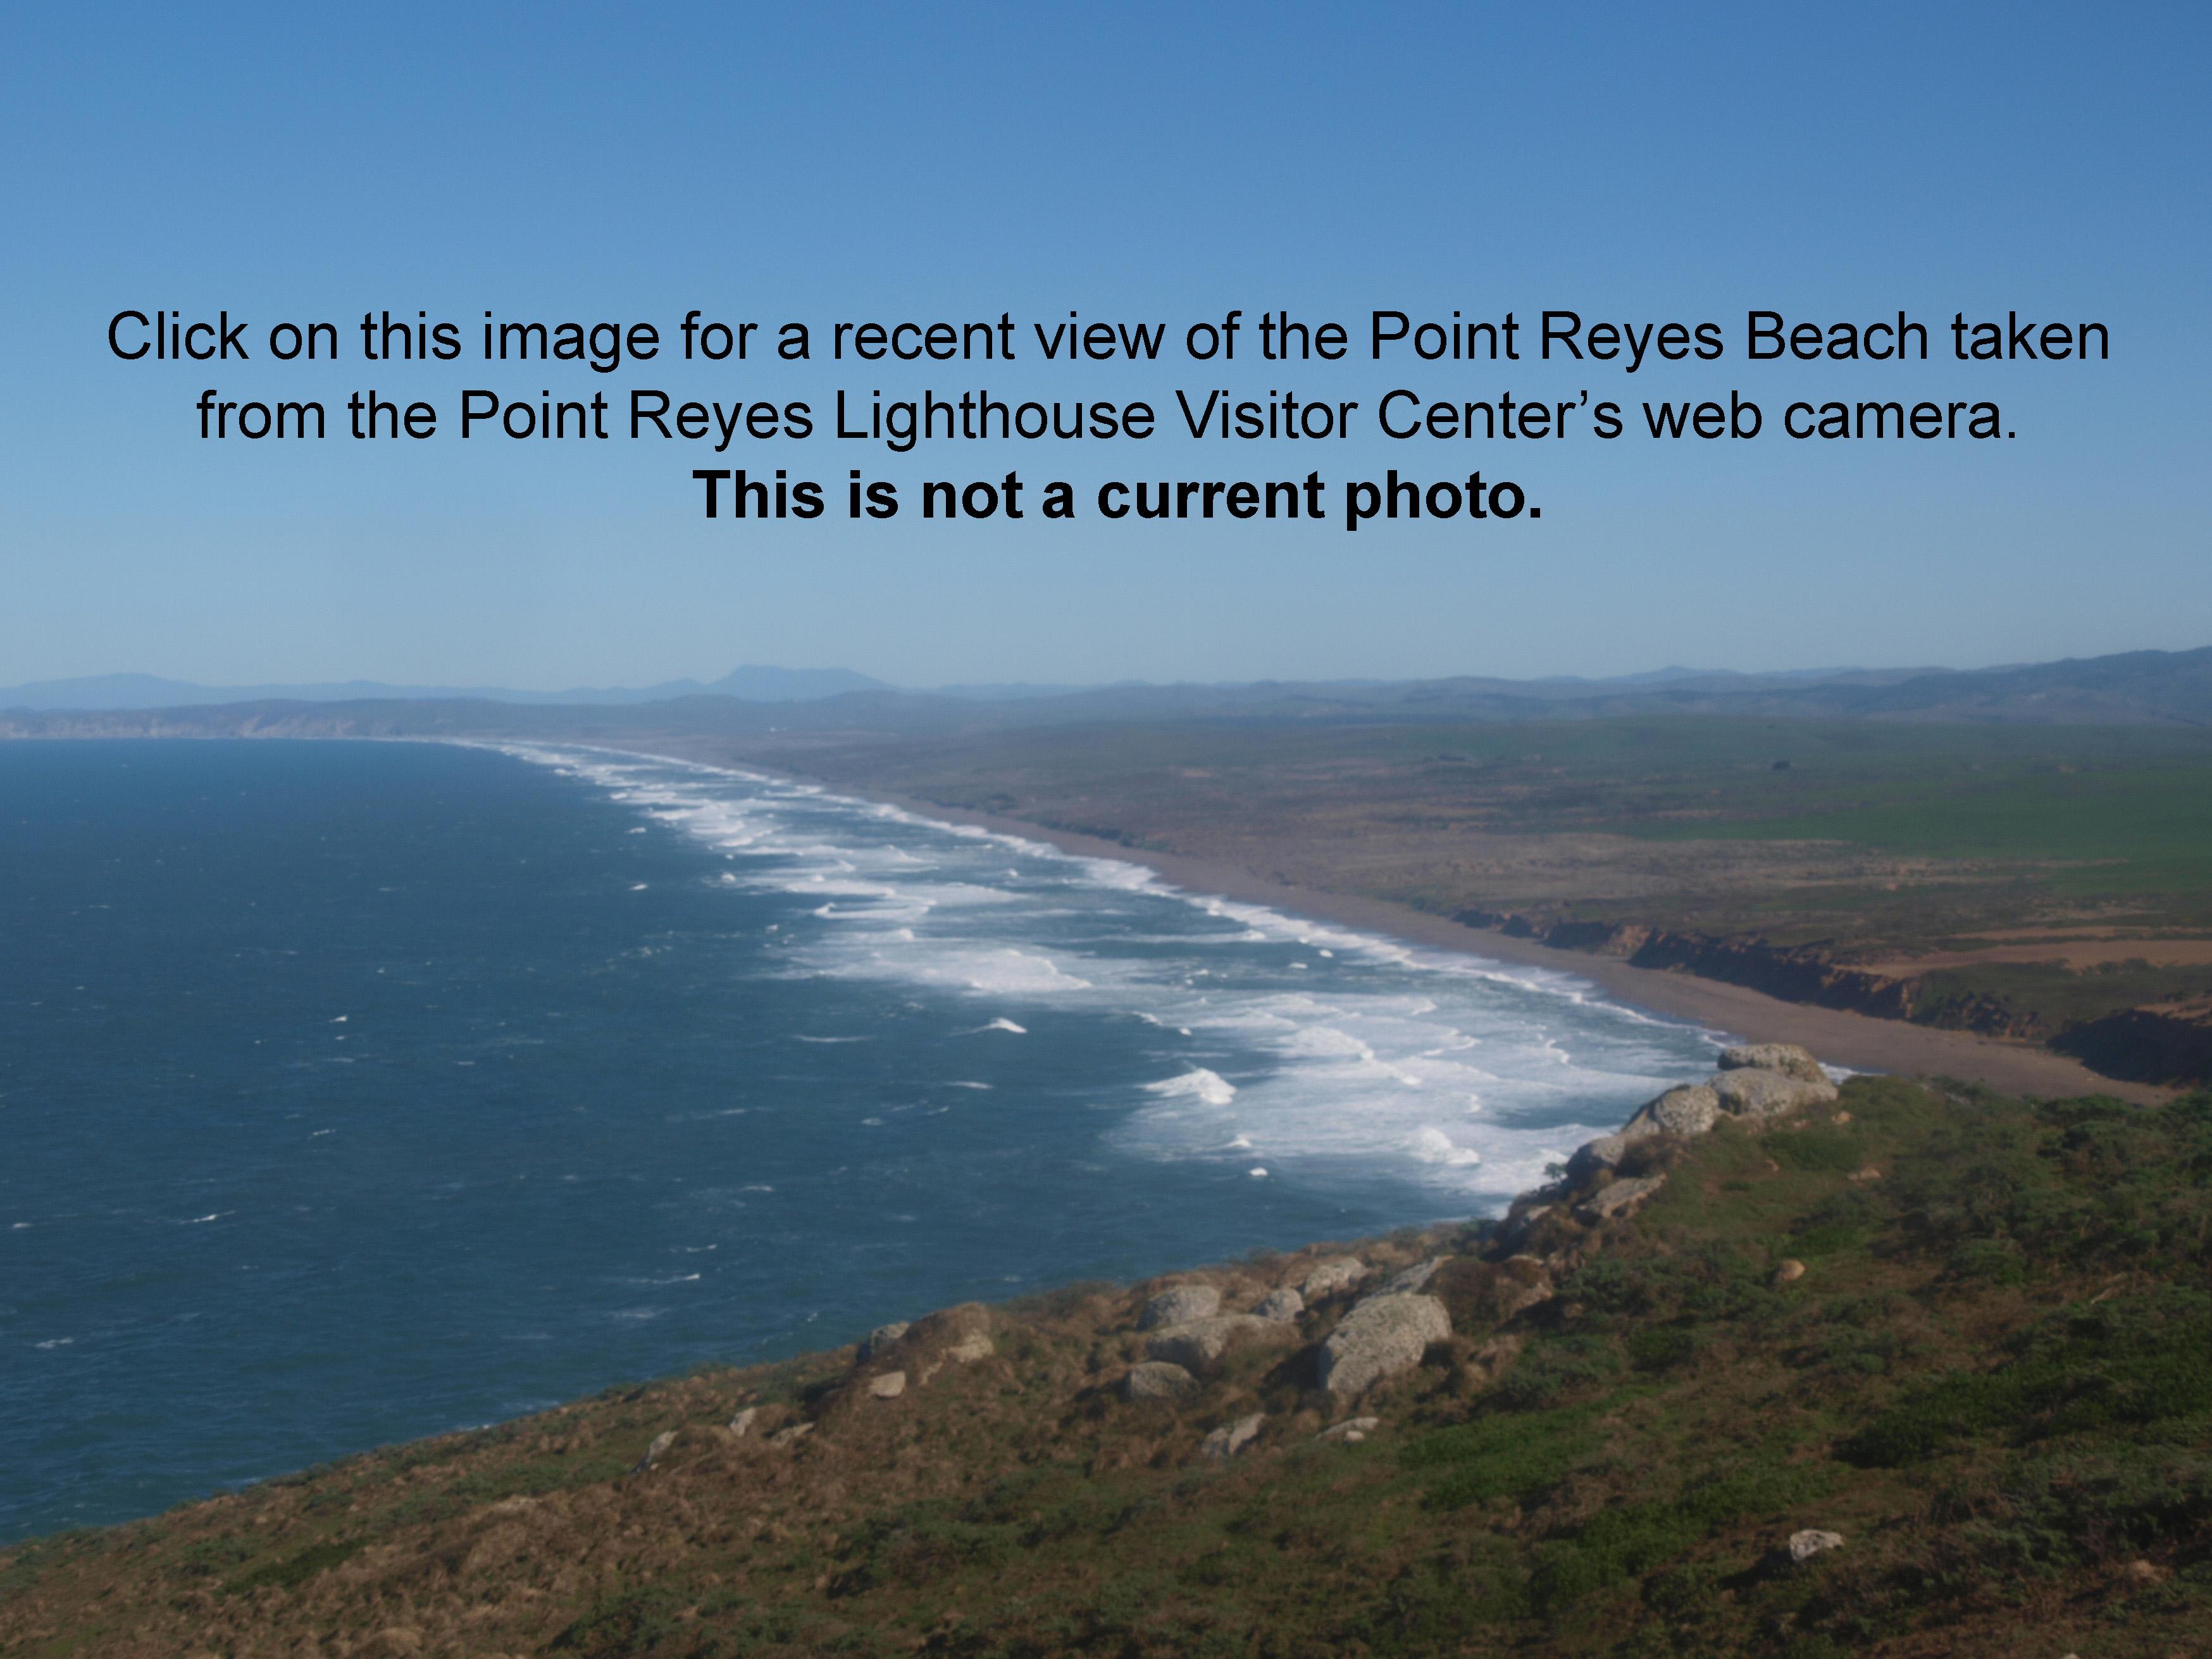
{"x":1210,"y":1087}
{"x":1360,"y":1059}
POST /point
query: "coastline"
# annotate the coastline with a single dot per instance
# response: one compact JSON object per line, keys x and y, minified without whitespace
{"x":1858,"y":1042}
{"x":1744,"y":1015}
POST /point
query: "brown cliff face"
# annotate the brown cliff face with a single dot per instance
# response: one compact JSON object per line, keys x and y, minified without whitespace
{"x":1800,"y":972}
{"x":2164,"y":1043}
{"x":2160,"y":1043}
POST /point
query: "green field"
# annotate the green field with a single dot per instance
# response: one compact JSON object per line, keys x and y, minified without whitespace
{"x":2133,"y":818}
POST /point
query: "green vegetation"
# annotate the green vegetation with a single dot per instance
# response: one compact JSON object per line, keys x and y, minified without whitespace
{"x":296,"y":1568}
{"x":1993,"y":1378}
{"x":2135,"y":803}
{"x":1503,"y":1456}
{"x":2140,"y":1362}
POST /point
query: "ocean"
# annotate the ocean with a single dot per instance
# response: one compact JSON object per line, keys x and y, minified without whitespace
{"x":352,"y":1092}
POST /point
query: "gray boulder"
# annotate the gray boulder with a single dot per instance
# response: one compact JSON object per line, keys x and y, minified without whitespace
{"x":959,"y":1336}
{"x":1157,"y":1380}
{"x":1351,"y":1431}
{"x":1408,"y":1280}
{"x":1202,"y":1341}
{"x":1233,"y":1437}
{"x":1594,"y":1155}
{"x":969,"y":1349}
{"x":1786,"y":1058}
{"x":1606,"y":1150}
{"x":1611,"y":1201}
{"x":1180,"y":1306}
{"x":1280,"y":1307}
{"x":1689,"y":1110}
{"x":1381,"y":1338}
{"x":1756,"y":1095}
{"x":1804,"y":1546}
{"x":879,"y":1340}
{"x":656,"y":1451}
{"x":1337,"y":1273}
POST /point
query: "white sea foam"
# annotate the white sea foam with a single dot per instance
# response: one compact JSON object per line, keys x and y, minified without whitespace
{"x":1432,"y":1146}
{"x":1210,"y":1087}
{"x":1350,"y":1052}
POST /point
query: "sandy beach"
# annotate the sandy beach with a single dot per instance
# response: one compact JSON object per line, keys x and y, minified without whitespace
{"x":1839,"y":1037}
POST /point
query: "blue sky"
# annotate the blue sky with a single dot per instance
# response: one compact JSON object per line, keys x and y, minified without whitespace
{"x":1643,"y":164}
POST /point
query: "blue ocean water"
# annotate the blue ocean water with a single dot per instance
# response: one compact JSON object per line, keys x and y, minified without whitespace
{"x":351,"y":1092}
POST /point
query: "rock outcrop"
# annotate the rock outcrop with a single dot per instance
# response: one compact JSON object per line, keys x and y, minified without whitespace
{"x":1407,"y":1281}
{"x":1281,"y":1306}
{"x":1761,"y":1094}
{"x":1156,"y":1379}
{"x":1201,"y":1342}
{"x":1381,"y":1338}
{"x":1615,"y":1197}
{"x":878,"y":1342}
{"x":957,"y":1336}
{"x":1233,"y":1437}
{"x":1339,"y":1273}
{"x":1606,"y":1150}
{"x":1757,"y":1081}
{"x":1183,"y":1305}
{"x":1689,"y":1110}
{"x":1786,"y":1058}
{"x":1804,"y":1546}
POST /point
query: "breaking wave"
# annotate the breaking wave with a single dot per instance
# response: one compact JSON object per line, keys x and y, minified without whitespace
{"x":1336,"y":1054}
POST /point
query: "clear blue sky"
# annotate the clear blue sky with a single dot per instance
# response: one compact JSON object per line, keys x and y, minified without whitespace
{"x":1643,"y":163}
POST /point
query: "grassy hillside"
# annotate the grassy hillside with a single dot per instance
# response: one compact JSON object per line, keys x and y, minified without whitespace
{"x":1993,"y":1378}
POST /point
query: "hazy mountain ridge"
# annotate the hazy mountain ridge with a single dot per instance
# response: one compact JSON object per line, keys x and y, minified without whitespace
{"x":762,"y":683}
{"x":2163,"y":686}
{"x":754,"y":683}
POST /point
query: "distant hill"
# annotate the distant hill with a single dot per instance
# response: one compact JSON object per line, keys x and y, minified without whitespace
{"x":752,"y":683}
{"x":2160,"y":687}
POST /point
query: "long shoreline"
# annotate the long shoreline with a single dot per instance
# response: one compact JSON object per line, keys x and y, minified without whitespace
{"x":1858,"y":1042}
{"x":1839,"y":1037}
